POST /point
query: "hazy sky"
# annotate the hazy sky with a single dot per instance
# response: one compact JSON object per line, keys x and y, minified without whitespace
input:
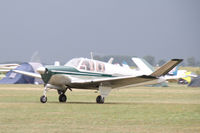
{"x":63,"y":29}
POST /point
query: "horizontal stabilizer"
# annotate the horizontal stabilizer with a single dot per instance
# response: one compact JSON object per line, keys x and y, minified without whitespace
{"x":166,"y":67}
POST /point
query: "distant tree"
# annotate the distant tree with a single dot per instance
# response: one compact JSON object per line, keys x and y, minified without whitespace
{"x":150,"y":59}
{"x":198,"y":63}
{"x":117,"y":59}
{"x":191,"y":61}
{"x":161,"y":62}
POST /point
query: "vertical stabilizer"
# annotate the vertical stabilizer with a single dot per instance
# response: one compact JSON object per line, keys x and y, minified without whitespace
{"x":143,"y":65}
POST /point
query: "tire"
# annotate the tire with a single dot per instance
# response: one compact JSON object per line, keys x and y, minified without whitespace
{"x":43,"y":99}
{"x":99,"y":99}
{"x":62,"y":98}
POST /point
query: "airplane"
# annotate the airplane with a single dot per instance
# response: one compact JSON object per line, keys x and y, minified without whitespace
{"x":4,"y":68}
{"x":176,"y":74}
{"x":83,"y":73}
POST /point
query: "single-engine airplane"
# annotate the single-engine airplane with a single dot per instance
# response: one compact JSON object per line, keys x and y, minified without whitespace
{"x":83,"y":73}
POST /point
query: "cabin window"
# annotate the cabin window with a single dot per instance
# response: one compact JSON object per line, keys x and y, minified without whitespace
{"x":92,"y":66}
{"x":100,"y":67}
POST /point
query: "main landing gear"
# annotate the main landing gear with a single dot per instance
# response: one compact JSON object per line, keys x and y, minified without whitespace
{"x":104,"y":91}
{"x":100,"y":99}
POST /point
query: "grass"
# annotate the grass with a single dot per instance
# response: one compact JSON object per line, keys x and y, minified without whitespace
{"x":174,"y":109}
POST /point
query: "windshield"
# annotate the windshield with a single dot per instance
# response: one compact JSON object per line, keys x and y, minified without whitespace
{"x":73,"y":62}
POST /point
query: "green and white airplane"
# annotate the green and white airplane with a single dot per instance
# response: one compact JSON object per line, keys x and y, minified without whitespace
{"x":83,"y":73}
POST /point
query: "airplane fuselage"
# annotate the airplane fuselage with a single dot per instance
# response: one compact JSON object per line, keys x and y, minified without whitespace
{"x":84,"y":69}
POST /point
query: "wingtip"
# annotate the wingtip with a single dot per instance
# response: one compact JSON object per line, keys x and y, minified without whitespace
{"x":177,"y":60}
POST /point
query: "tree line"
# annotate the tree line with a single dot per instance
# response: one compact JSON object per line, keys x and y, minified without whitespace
{"x":191,"y":61}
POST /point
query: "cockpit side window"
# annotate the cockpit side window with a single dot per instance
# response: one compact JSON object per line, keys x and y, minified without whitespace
{"x":85,"y":65}
{"x":74,"y":62}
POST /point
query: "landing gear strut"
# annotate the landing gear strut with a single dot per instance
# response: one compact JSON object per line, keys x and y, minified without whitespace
{"x":100,"y":99}
{"x":43,"y":98}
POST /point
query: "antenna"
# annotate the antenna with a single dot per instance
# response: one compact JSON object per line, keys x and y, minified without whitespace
{"x":91,"y":54}
{"x":35,"y":57}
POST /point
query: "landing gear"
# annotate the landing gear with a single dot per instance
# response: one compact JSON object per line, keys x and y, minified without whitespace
{"x":43,"y":99}
{"x":61,"y":92}
{"x":100,"y":99}
{"x":62,"y":98}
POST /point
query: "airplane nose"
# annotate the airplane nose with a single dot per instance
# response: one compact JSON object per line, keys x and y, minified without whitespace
{"x":41,"y":70}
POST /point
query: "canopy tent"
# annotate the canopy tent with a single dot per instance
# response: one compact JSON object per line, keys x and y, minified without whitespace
{"x":16,"y":78}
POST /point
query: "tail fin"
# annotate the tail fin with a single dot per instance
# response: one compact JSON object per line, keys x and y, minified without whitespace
{"x":166,"y":67}
{"x":125,"y":65}
{"x":174,"y":71}
{"x":111,"y":60}
{"x":143,"y":65}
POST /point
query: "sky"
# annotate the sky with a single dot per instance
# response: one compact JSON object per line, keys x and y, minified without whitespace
{"x":64,"y":29}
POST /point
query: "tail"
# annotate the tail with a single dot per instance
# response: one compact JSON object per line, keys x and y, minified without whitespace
{"x":125,"y":65}
{"x":174,"y":71}
{"x":143,"y":65}
{"x":166,"y":68}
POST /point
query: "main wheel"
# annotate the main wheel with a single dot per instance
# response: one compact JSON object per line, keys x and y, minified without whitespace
{"x":99,"y":99}
{"x":43,"y":99}
{"x":62,"y":98}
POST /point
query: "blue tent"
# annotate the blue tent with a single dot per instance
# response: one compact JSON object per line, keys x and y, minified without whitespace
{"x":16,"y":78}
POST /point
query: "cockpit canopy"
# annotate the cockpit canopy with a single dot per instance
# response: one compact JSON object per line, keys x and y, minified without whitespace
{"x":86,"y":64}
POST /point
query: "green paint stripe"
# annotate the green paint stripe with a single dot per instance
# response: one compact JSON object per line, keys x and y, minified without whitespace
{"x":81,"y":73}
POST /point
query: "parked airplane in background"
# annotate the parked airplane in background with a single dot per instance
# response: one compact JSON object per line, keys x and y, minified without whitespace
{"x":4,"y":68}
{"x":83,"y":73}
{"x":176,"y":74}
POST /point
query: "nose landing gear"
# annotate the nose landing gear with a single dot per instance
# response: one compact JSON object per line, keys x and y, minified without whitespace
{"x":43,"y":99}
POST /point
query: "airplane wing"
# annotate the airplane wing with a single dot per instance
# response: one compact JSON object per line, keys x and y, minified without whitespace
{"x":163,"y":70}
{"x":117,"y":82}
{"x":4,"y":71}
{"x":35,"y":75}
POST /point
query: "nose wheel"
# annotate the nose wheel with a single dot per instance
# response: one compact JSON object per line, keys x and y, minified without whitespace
{"x":100,"y":99}
{"x":43,"y":99}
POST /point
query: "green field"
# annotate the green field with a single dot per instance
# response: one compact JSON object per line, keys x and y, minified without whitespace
{"x":174,"y":109}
